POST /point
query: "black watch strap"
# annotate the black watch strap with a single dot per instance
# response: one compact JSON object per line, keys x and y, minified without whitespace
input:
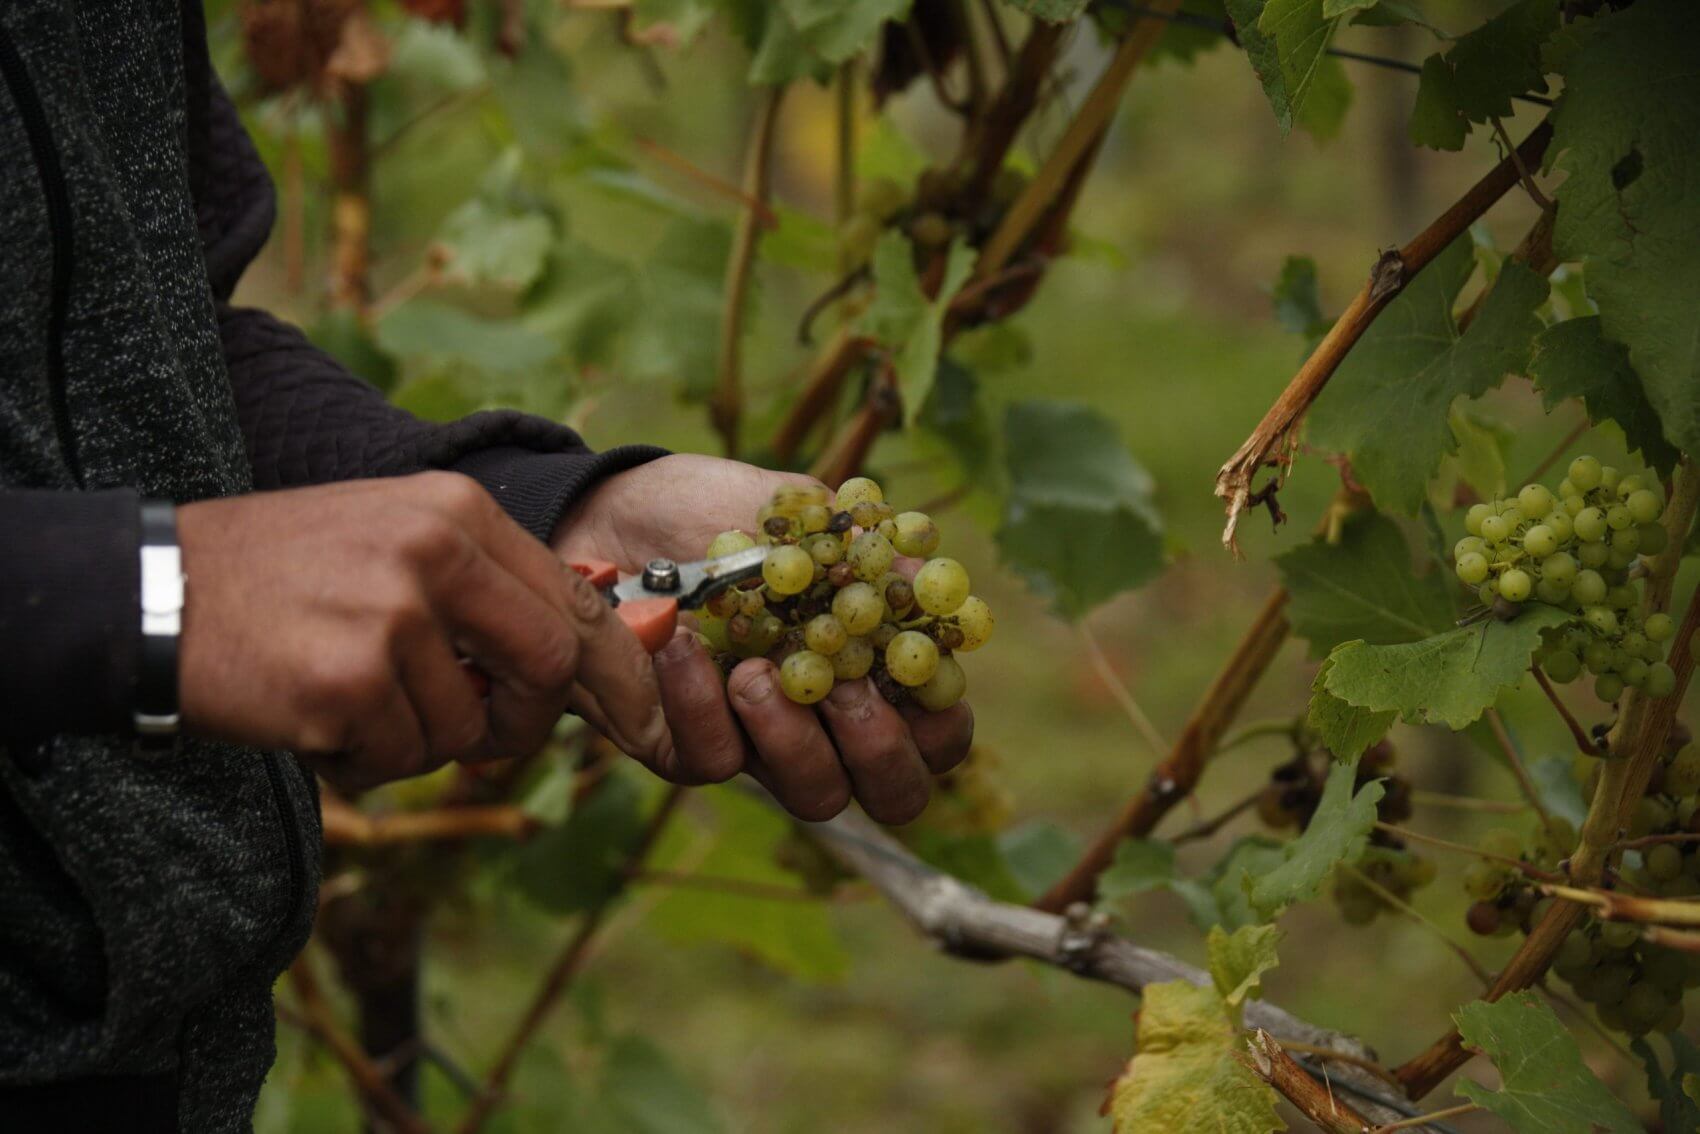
{"x":156,"y":712}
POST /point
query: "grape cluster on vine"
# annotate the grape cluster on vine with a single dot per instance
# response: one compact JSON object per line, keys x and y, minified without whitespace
{"x":934,"y":214}
{"x":829,"y":606}
{"x":1635,"y":986}
{"x":1578,"y":551}
{"x":1388,"y":866}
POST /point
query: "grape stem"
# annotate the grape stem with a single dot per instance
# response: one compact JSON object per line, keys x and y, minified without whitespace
{"x":1612,"y":906}
{"x":1425,"y":1119}
{"x":1528,"y":869}
{"x":1465,"y":803}
{"x":1119,"y":690}
{"x":1208,"y":827}
{"x":1515,"y":759}
{"x":1577,"y":733}
{"x":1655,"y":840}
{"x":1684,"y":939}
{"x":321,"y":1023}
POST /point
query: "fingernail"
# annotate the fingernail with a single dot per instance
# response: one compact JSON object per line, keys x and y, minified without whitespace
{"x":757,"y":688}
{"x":850,"y":698}
{"x":676,"y":650}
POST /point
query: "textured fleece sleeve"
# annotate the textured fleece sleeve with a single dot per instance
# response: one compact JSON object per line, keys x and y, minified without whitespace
{"x":69,"y":611}
{"x":306,"y":419}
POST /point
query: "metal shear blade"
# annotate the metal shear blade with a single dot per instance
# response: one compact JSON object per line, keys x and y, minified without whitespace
{"x":691,"y":584}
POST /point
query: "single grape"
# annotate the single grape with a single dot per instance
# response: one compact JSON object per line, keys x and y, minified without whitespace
{"x":1535,"y":500}
{"x":840,"y":575}
{"x":882,"y":196}
{"x":898,"y":593}
{"x":1618,"y":518}
{"x":1597,"y":656}
{"x":859,"y":607}
{"x":867,"y":514}
{"x":825,"y":549}
{"x":880,"y":636}
{"x":1551,"y":593}
{"x":1563,"y":530}
{"x":1474,"y":517}
{"x":974,"y":618}
{"x":1487,"y":592}
{"x":1483,"y":918}
{"x":729,"y":543}
{"x":806,"y":677}
{"x":1619,"y":560}
{"x":853,"y":660}
{"x":1501,"y":841}
{"x":1666,"y":968}
{"x":1495,"y":529}
{"x":1612,"y":980}
{"x":1627,"y":540}
{"x":814,"y":518}
{"x":911,"y":658}
{"x":1484,"y":881}
{"x":1608,"y":687}
{"x":1539,"y":541}
{"x":1633,"y":642}
{"x":1671,"y":1021}
{"x":765,"y":632}
{"x":1590,"y":525}
{"x":752,"y":602}
{"x":858,"y":490}
{"x":857,"y":237}
{"x":841,"y":523}
{"x":1659,"y":627}
{"x":941,"y":586}
{"x":1654,"y":539}
{"x":1574,"y":953}
{"x":944,"y":688}
{"x":1664,"y":861}
{"x":917,"y":535}
{"x":1644,"y":507}
{"x":824,"y":634}
{"x":1661,"y":680}
{"x":870,"y":556}
{"x":1515,"y":585}
{"x":1562,"y":666}
{"x":1623,"y":596}
{"x":930,"y":230}
{"x":1511,"y":514}
{"x":1609,"y":478}
{"x":1643,"y":1006}
{"x":887,"y":528}
{"x":1560,"y":568}
{"x":1634,"y":673}
{"x":1469,"y":545}
{"x":1593,"y":555}
{"x":1584,"y":473}
{"x":1472,"y":568}
{"x":788,"y":570}
{"x":1601,"y":618}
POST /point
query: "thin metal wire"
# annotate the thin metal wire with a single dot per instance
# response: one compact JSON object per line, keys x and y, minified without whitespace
{"x":1205,"y":23}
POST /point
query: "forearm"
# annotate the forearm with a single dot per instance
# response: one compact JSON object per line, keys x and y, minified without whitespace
{"x":69,"y":603}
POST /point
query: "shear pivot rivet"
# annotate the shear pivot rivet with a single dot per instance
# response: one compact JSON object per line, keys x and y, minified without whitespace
{"x":661,"y":575}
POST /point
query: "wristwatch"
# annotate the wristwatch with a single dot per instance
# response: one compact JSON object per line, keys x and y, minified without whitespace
{"x":156,"y":711}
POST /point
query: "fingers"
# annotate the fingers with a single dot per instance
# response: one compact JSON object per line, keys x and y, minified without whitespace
{"x":449,"y":707}
{"x":944,"y":737}
{"x":389,"y":745}
{"x":881,"y":757}
{"x":615,"y":672}
{"x":799,"y":763}
{"x":709,"y":745}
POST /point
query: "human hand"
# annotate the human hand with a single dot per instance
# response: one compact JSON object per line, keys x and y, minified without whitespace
{"x":332,"y":621}
{"x":855,"y":745}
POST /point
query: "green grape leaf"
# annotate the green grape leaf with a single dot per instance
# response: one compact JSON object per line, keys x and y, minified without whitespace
{"x":1502,"y":58}
{"x":1480,"y":462}
{"x":1335,"y":8}
{"x":500,"y":236}
{"x":905,"y":320}
{"x":1679,"y":1106}
{"x":1573,"y":359}
{"x":550,"y":799}
{"x":1560,"y":794}
{"x":434,"y":56}
{"x":1052,"y":11}
{"x":1436,"y":121}
{"x":575,"y":865}
{"x":1362,"y":587}
{"x":1038,"y":853}
{"x":1286,"y":41}
{"x":646,"y":1093}
{"x":1547,"y":1088}
{"x":1180,"y":41}
{"x":971,"y":858}
{"x":955,"y":413}
{"x":1298,"y":305}
{"x":1238,"y":960}
{"x":795,"y":937}
{"x":800,"y":241}
{"x":1344,"y":729}
{"x":1139,"y":866}
{"x":436,"y":332}
{"x":1448,"y":679}
{"x":1337,"y":833}
{"x":1630,"y":208}
{"x":1386,"y":407}
{"x":807,"y":38}
{"x":1186,"y":1072}
{"x":1079,"y":523}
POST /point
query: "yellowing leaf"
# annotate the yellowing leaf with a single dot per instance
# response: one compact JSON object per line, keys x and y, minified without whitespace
{"x":1186,"y":1073}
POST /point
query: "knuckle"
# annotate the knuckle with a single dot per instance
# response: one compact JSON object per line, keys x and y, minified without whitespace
{"x":457,"y":493}
{"x":553,"y":665}
{"x":428,"y":538}
{"x":584,"y":601}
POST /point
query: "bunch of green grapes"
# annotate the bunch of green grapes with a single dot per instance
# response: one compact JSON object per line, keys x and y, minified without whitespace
{"x":829,"y":606}
{"x":932,"y":215}
{"x":1578,"y":551}
{"x":1290,"y":798}
{"x":1635,"y":987}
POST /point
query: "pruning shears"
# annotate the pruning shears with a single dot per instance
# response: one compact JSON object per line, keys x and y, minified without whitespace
{"x":650,"y":601}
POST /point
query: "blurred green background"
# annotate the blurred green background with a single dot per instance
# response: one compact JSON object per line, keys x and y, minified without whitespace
{"x":1162,"y":322}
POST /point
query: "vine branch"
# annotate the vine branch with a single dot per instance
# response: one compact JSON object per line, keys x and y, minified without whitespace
{"x":321,"y":1023}
{"x":1270,"y":442}
{"x":1317,"y":1102}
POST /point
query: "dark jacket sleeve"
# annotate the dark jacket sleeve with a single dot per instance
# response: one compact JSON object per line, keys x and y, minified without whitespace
{"x":304,"y":417}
